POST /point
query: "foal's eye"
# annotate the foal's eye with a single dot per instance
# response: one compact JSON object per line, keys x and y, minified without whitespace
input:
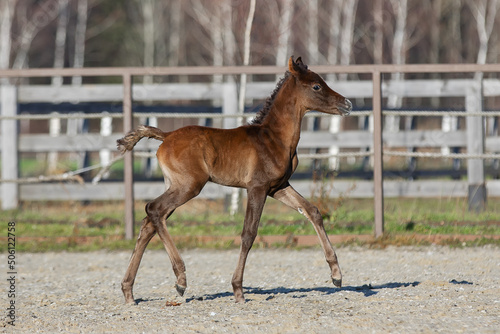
{"x":316,"y":87}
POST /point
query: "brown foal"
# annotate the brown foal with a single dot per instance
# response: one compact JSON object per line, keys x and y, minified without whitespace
{"x":259,"y":157}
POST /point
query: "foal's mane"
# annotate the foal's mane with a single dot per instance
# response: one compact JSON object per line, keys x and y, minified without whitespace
{"x":261,"y":115}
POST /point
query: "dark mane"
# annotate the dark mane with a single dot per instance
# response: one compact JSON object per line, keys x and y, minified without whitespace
{"x":261,"y":115}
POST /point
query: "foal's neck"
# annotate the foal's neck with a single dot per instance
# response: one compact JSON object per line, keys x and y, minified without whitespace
{"x":285,"y":115}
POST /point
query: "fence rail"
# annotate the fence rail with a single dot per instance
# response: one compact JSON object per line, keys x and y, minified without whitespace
{"x":478,"y":146}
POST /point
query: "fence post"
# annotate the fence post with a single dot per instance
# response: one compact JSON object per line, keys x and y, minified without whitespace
{"x":475,"y":145}
{"x":128,"y":168}
{"x":378,"y":181}
{"x":106,"y":131}
{"x":10,"y":190}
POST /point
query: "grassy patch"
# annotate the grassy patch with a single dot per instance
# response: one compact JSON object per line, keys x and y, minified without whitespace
{"x":77,"y":227}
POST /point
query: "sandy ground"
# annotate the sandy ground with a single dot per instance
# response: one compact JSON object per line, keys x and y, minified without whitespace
{"x":395,"y":290}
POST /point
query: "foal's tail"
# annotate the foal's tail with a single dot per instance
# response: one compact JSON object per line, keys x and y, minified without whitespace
{"x":128,"y":142}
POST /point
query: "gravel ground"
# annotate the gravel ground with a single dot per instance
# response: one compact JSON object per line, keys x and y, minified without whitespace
{"x":398,"y":290}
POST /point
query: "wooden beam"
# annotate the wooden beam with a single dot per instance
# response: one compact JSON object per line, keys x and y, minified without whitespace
{"x":229,"y":70}
{"x":308,"y":139}
{"x":256,"y":90}
{"x":146,"y":191}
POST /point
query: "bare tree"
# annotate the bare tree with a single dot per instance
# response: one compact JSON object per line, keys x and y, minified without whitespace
{"x":378,"y":32}
{"x":60,"y":42}
{"x":6,"y":15}
{"x":236,"y":194}
{"x":341,"y":41}
{"x":284,"y":32}
{"x":59,"y":51}
{"x":455,"y":45}
{"x":176,"y":22}
{"x":313,"y":33}
{"x":347,"y":32}
{"x":80,"y":33}
{"x":148,"y":36}
{"x":398,"y":57}
{"x":485,"y":12}
{"x":44,"y":13}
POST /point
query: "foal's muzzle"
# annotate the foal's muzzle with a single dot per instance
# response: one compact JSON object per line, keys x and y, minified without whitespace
{"x":345,"y":108}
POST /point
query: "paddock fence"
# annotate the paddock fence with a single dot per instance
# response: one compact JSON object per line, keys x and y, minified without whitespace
{"x":478,"y":139}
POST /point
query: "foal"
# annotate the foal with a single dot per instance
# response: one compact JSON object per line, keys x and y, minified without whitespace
{"x":259,"y":157}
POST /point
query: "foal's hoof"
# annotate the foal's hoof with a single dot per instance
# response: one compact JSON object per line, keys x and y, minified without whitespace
{"x":337,"y":282}
{"x":240,"y":300}
{"x":180,"y":289}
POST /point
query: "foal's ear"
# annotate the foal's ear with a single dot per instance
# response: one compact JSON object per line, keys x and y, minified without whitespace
{"x":296,"y":67}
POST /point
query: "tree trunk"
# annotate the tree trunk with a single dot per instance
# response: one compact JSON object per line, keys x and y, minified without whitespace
{"x":148,"y":36}
{"x":284,"y":32}
{"x":174,"y":43}
{"x":313,"y":33}
{"x":344,"y":36}
{"x":485,"y":14}
{"x":398,"y":57}
{"x":44,"y":15}
{"x":236,"y":195}
{"x":6,"y":13}
{"x":378,"y":36}
{"x":80,"y":32}
{"x":347,"y":32}
{"x":60,"y":42}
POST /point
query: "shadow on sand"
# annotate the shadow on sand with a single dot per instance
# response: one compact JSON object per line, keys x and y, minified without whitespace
{"x":366,"y":289}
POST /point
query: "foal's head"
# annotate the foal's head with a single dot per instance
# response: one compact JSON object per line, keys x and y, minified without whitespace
{"x":315,"y":93}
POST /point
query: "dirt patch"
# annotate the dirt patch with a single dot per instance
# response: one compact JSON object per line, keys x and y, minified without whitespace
{"x":397,"y":289}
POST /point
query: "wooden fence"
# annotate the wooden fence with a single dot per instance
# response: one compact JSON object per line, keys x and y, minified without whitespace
{"x":479,"y":146}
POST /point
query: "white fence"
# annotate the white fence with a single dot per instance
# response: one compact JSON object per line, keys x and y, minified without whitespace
{"x":479,"y":145}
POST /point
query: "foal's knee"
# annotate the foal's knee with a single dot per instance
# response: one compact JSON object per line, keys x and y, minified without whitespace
{"x":316,"y":216}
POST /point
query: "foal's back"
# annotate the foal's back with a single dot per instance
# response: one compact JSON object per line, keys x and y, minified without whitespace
{"x":231,"y":157}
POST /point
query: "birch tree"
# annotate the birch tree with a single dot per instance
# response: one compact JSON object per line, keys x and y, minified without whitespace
{"x":378,"y":32}
{"x":398,"y":52}
{"x":59,"y":56}
{"x":60,"y":40}
{"x":6,"y":14}
{"x":176,"y":22}
{"x":236,"y":194}
{"x":485,"y":13}
{"x":80,"y":32}
{"x":448,"y":123}
{"x":313,"y":33}
{"x":44,"y":13}
{"x":341,"y":40}
{"x":284,"y":33}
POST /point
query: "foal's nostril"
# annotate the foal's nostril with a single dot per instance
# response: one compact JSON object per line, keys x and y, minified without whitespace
{"x":349,"y":104}
{"x":348,"y":107}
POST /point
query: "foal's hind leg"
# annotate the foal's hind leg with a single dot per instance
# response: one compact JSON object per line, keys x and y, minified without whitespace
{"x":292,"y":198}
{"x":158,"y":211}
{"x":147,"y":232}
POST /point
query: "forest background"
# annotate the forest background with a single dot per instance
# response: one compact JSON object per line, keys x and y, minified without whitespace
{"x":97,"y":33}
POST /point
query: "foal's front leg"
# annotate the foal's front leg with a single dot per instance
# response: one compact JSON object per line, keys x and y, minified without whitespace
{"x":293,"y":199}
{"x":256,"y":200}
